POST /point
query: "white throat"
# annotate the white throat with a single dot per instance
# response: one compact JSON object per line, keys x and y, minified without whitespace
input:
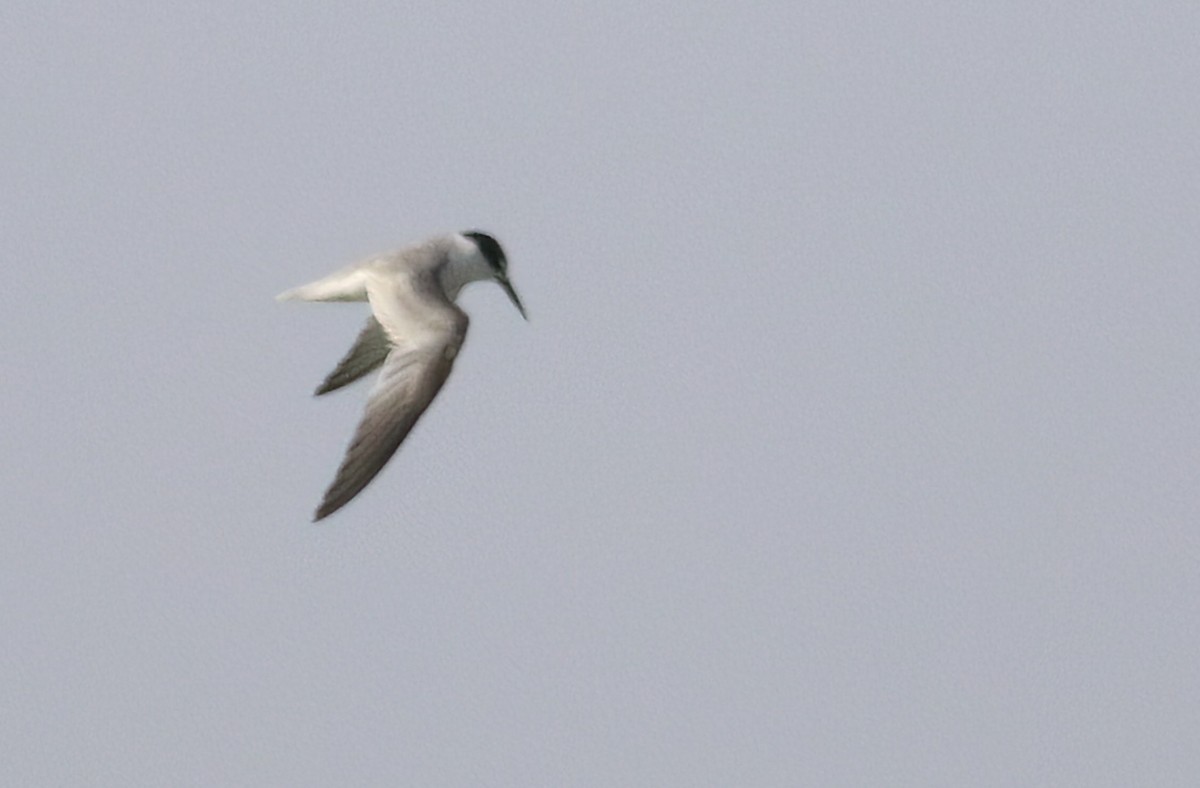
{"x":464,"y":263}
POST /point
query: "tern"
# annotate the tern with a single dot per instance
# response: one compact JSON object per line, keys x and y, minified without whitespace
{"x":414,"y":333}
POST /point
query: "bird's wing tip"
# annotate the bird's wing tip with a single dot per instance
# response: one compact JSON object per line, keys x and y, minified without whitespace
{"x":326,"y":508}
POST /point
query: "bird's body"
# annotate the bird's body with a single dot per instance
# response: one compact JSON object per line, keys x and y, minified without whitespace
{"x":414,"y":333}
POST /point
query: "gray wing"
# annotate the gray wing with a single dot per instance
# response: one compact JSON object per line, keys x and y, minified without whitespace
{"x":426,"y":332}
{"x":367,"y":353}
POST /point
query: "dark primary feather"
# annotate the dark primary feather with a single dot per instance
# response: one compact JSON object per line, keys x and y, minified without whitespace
{"x":368,"y":352}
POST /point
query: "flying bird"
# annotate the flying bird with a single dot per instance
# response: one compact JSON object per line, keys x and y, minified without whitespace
{"x":414,"y":333}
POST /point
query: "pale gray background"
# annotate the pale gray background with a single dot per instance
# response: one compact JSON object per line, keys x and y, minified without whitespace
{"x":853,"y":439}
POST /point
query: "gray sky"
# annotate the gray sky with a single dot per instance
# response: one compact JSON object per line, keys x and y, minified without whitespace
{"x":852,"y":441}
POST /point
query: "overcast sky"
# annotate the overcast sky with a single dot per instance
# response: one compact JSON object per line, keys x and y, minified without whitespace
{"x":852,"y":439}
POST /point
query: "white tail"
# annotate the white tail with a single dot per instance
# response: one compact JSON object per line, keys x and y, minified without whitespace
{"x":349,"y":284}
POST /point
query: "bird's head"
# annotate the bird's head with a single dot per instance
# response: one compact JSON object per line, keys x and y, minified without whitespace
{"x":493,"y":254}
